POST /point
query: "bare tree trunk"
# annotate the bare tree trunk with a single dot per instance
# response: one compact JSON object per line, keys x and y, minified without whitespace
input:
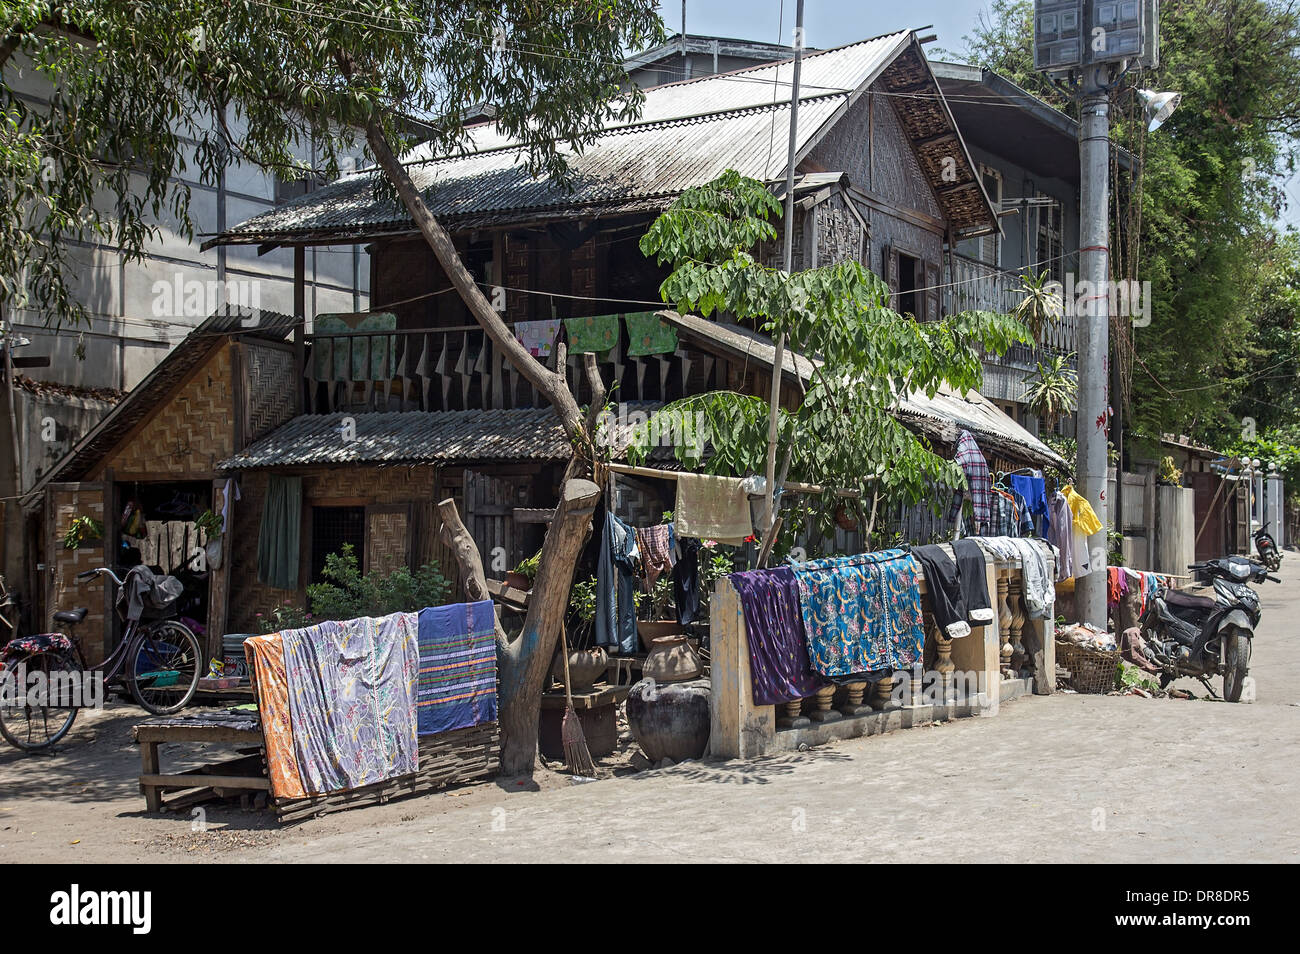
{"x":470,"y":562}
{"x":523,"y":662}
{"x":552,"y":384}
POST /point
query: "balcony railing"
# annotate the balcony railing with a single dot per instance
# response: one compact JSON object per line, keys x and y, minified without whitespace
{"x":973,"y":285}
{"x":454,"y":369}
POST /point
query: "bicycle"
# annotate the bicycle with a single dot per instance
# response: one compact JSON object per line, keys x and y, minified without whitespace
{"x":159,"y":660}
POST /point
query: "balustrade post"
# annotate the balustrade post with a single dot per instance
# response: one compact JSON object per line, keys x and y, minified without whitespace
{"x":1004,"y":624}
{"x":1015,"y":600}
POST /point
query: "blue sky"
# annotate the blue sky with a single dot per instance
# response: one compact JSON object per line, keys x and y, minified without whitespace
{"x":836,"y":22}
{"x":828,"y":22}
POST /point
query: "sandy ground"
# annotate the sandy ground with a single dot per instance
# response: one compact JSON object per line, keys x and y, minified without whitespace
{"x":1061,"y":778}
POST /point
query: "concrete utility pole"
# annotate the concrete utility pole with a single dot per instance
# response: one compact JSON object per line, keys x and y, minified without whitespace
{"x":787,"y":260}
{"x":1094,"y":333}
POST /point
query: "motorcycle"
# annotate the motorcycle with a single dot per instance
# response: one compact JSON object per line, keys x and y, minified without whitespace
{"x":1266,"y":547}
{"x":1190,"y":635}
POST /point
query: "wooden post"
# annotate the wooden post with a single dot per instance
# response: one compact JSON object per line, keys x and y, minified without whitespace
{"x":299,"y":326}
{"x":739,"y":729}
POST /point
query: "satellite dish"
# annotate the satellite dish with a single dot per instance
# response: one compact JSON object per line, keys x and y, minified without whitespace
{"x":1158,"y":106}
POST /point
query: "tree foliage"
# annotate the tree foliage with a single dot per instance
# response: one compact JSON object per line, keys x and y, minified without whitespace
{"x":864,"y":355}
{"x":1197,"y":215}
{"x":142,"y":92}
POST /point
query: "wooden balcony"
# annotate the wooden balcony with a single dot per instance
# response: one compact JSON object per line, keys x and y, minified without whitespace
{"x":973,"y":285}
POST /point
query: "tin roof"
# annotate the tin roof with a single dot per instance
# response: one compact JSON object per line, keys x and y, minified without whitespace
{"x":416,"y":437}
{"x":687,"y":134}
{"x":942,"y":417}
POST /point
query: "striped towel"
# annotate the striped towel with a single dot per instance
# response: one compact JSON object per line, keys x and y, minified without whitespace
{"x":458,"y":667}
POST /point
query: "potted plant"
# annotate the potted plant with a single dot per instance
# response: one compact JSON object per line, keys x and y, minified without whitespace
{"x":522,"y":576}
{"x":654,"y":615}
{"x":212,"y":525}
{"x":585,"y":665}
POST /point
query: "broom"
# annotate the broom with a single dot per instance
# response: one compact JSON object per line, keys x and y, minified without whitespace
{"x":577,"y":757}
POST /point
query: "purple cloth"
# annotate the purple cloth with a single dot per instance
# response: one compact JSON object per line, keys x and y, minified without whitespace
{"x":778,"y":649}
{"x":352,"y":694}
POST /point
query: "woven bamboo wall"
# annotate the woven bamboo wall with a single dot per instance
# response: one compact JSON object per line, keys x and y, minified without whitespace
{"x":356,"y":485}
{"x":387,"y":541}
{"x":187,"y":437}
{"x":270,"y":389}
{"x":65,"y":592}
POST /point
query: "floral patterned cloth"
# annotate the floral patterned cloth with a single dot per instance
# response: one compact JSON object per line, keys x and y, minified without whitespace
{"x":352,"y":700}
{"x":595,"y":333}
{"x":862,"y":613}
{"x":538,"y":336}
{"x":39,"y":643}
{"x":265,"y":655}
{"x":647,"y":333}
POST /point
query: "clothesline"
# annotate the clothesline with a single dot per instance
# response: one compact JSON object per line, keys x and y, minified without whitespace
{"x":793,"y":486}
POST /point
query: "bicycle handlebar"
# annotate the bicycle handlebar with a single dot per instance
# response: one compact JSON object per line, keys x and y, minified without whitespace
{"x":90,"y":574}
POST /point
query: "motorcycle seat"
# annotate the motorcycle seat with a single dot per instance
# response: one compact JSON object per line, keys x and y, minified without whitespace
{"x":1186,"y":601}
{"x":72,"y":617}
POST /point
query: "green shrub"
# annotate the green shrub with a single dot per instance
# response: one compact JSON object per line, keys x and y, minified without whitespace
{"x":347,"y":593}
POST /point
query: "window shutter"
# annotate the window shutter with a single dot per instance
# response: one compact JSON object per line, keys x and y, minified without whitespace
{"x":889,"y":270}
{"x":933,"y":294}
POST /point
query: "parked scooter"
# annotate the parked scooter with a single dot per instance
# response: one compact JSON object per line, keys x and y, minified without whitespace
{"x":1266,"y":547}
{"x":1189,"y":635}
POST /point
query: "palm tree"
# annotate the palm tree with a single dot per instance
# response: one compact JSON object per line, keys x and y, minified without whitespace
{"x":1052,"y":390}
{"x":1041,"y":305}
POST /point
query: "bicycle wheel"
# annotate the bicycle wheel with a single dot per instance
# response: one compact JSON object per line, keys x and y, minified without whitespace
{"x":39,"y":699}
{"x":166,"y":667}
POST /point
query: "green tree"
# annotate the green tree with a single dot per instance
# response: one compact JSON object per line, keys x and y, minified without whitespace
{"x":264,"y":79}
{"x":1052,"y":390}
{"x":841,"y":434}
{"x":1195,"y":217}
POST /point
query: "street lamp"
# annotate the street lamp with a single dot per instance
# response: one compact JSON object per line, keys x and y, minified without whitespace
{"x":1157,"y":107}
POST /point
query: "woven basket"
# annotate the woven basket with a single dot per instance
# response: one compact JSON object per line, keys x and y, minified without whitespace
{"x":1091,"y":670}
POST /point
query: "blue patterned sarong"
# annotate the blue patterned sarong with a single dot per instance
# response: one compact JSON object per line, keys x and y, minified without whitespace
{"x":862,"y":613}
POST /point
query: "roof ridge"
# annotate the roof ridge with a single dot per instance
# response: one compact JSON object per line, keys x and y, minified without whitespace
{"x":778,"y":63}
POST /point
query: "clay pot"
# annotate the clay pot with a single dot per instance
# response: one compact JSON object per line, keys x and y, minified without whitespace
{"x":585,"y":667}
{"x":670,"y":721}
{"x":672,"y":659}
{"x":651,"y":629}
{"x":518,"y":581}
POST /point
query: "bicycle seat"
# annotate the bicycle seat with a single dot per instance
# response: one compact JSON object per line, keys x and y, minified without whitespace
{"x":72,"y":617}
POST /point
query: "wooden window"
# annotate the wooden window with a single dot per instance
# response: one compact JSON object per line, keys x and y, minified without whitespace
{"x":990,"y":246}
{"x":1047,"y":247}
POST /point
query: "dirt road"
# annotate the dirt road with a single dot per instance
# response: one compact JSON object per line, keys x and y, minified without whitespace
{"x":1062,"y":778}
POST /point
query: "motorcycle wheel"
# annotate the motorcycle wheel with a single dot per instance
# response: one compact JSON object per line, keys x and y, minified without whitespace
{"x":1236,"y":664}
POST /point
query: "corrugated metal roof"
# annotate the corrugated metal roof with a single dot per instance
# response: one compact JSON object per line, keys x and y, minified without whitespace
{"x":687,"y":134}
{"x":942,"y":416}
{"x":418,"y":437}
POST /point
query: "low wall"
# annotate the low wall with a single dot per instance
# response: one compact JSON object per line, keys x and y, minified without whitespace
{"x":1012,"y":656}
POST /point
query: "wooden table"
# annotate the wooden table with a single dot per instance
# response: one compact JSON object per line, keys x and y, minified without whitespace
{"x":241,"y":775}
{"x":597,"y":712}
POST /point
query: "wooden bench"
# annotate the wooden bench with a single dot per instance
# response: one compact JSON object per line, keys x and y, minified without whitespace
{"x":241,"y":775}
{"x":462,"y":755}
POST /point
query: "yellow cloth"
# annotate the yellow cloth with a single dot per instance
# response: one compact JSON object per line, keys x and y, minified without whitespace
{"x":1085,"y":518}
